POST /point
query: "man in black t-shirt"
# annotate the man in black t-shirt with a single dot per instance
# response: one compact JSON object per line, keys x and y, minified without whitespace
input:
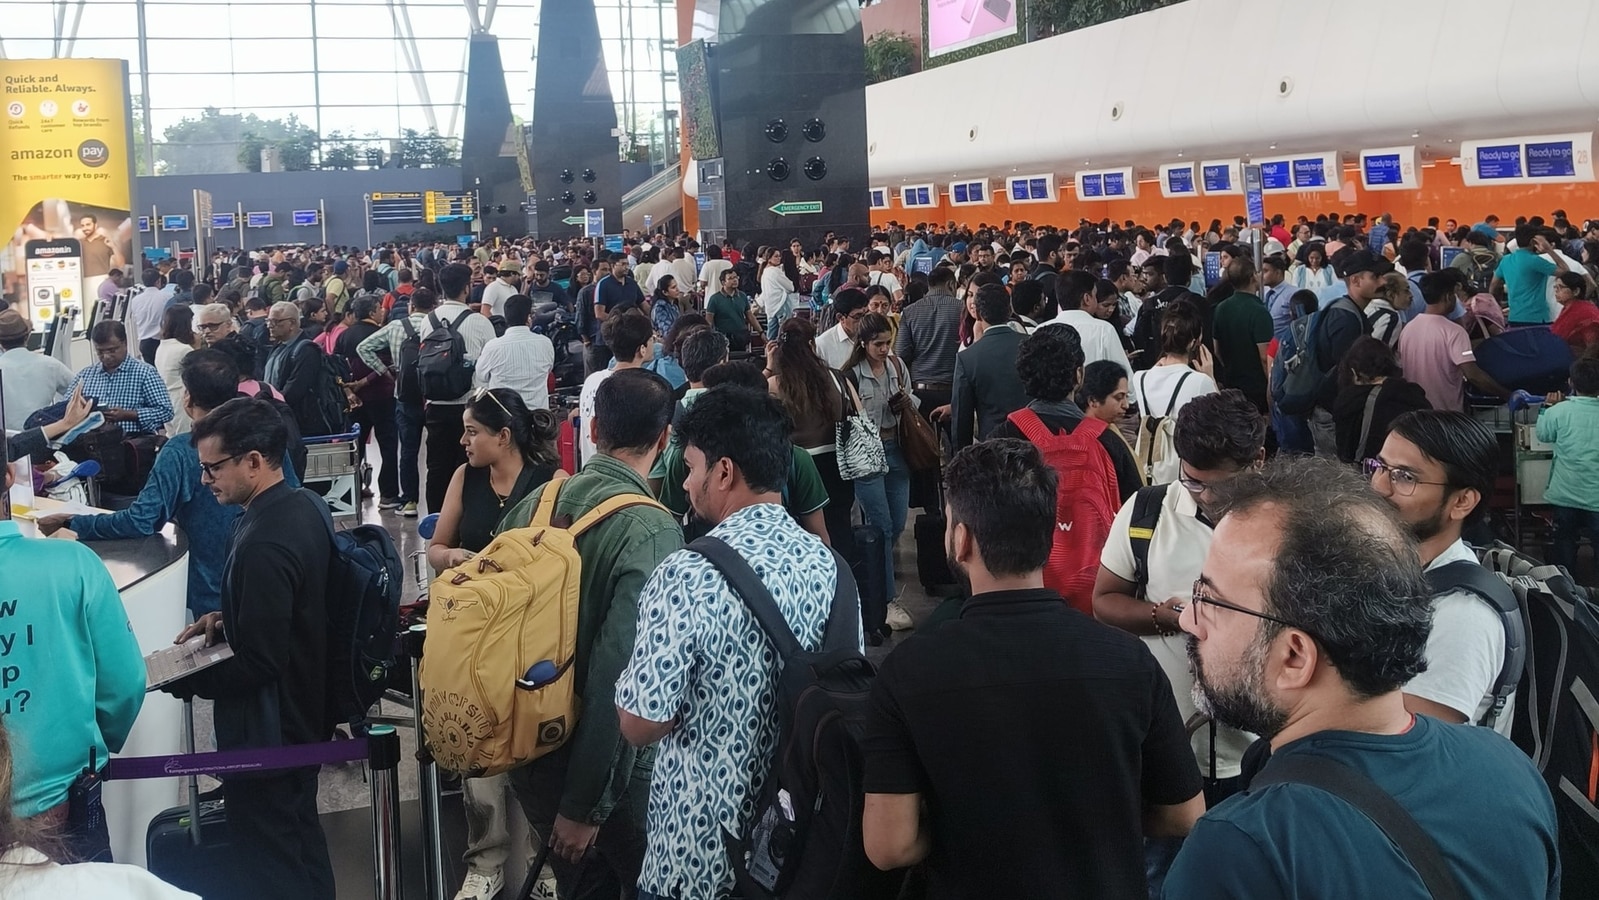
{"x":1044,"y":746}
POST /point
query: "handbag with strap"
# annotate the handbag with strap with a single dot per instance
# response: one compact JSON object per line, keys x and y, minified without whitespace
{"x":858,"y":444}
{"x":917,"y":442}
{"x":1365,"y":795}
{"x":1365,"y":421}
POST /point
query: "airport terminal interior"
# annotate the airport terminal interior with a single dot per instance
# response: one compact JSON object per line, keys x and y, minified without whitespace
{"x":756,"y":449}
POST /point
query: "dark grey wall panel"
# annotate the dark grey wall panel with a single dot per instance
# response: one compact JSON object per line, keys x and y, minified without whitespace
{"x":488,"y":151}
{"x":793,"y":62}
{"x":283,"y":192}
{"x":573,"y":120}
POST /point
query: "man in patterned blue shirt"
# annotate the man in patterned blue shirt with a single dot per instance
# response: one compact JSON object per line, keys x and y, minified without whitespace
{"x":703,"y":677}
{"x":130,"y":391}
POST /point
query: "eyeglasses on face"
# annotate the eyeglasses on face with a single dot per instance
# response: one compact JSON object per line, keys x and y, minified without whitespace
{"x":1403,"y":480}
{"x":1206,"y":603}
{"x":208,"y":471}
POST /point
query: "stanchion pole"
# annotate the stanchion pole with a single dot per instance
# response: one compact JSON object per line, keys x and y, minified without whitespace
{"x":427,"y":776}
{"x":383,"y":758}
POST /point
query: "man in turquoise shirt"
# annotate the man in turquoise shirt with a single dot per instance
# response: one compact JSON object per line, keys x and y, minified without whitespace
{"x":1523,"y":277}
{"x":71,"y":679}
{"x":1572,"y":425}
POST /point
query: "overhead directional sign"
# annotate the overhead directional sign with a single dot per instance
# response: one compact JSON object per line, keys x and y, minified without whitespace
{"x":797,"y":207}
{"x":573,"y":220}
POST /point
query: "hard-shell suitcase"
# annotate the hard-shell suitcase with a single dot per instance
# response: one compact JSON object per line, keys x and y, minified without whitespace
{"x":867,"y":565}
{"x":191,"y":847}
{"x":205,"y":868}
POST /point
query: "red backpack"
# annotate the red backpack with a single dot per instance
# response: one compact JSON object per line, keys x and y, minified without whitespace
{"x":1084,"y":507}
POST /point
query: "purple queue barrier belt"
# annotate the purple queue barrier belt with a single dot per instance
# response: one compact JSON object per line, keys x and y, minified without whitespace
{"x":226,"y":762}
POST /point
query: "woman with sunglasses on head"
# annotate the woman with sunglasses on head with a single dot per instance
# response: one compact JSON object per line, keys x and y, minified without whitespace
{"x":509,"y":452}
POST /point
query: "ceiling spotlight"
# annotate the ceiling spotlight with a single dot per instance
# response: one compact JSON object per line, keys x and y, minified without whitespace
{"x":815,"y":168}
{"x":1272,"y":147}
{"x":779,"y":169}
{"x":776,"y":131}
{"x":814,"y":130}
{"x":588,"y":176}
{"x":566,"y":176}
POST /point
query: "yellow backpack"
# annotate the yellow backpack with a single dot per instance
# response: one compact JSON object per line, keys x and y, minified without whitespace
{"x":496,"y":678}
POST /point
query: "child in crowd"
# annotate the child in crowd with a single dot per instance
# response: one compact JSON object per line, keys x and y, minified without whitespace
{"x":1572,"y":426}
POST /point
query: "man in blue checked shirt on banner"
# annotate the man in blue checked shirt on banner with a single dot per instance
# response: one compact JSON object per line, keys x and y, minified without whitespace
{"x":130,"y":391}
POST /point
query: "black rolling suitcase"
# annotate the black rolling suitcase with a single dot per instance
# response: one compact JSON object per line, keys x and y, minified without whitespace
{"x":932,"y":565}
{"x":866,"y":563}
{"x":190,"y":847}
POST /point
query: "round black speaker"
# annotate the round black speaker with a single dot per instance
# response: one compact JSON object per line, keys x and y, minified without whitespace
{"x":588,"y":176}
{"x":589,"y":197}
{"x":779,"y":169}
{"x":814,"y":130}
{"x":568,"y":198}
{"x":776,"y":131}
{"x":815,"y":168}
{"x":566,"y":176}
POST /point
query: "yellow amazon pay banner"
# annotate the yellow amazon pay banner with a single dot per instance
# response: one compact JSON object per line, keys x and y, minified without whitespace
{"x":66,"y":164}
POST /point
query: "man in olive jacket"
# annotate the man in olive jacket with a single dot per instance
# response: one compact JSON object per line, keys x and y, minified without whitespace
{"x":594,"y":790}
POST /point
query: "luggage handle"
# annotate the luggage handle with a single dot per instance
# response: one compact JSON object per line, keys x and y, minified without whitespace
{"x":194,"y":780}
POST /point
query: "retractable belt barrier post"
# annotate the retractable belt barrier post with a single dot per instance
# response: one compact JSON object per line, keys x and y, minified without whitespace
{"x":380,"y":749}
{"x":427,"y":775}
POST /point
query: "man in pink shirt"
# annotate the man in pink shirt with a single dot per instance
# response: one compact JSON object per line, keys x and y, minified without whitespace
{"x":1436,"y":353}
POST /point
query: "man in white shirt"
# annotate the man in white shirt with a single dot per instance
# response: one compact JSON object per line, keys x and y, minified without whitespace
{"x":518,"y":359}
{"x":883,"y":275}
{"x":711,"y":272}
{"x":836,"y":344}
{"x":1075,"y":291}
{"x":502,"y":288}
{"x":145,"y":312}
{"x":31,"y":380}
{"x":682,"y":269}
{"x":1437,"y":470}
{"x":443,"y":417}
{"x":631,"y":337}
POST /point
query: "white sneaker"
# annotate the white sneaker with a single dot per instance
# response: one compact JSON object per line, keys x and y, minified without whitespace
{"x":479,"y":886}
{"x":897,"y":618}
{"x":545,"y":889}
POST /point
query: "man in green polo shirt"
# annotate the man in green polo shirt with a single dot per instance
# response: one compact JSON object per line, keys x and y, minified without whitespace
{"x":1242,"y":330}
{"x":1522,"y":277}
{"x":595,"y":789}
{"x":730,"y":311}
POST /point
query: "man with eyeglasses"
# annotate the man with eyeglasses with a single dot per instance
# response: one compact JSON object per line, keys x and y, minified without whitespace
{"x":1437,"y":470}
{"x":1310,"y":617}
{"x":835,"y":344}
{"x":273,"y":616}
{"x":294,"y":366}
{"x":1156,"y":548}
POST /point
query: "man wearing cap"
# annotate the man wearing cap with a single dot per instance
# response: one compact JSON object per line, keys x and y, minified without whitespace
{"x":506,"y":284}
{"x":31,"y":380}
{"x":1340,"y":325}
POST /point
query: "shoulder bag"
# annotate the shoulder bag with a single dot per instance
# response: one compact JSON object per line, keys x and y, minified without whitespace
{"x":917,"y":441}
{"x":856,"y":439}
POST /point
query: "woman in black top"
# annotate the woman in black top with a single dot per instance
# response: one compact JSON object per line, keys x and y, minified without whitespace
{"x":1372,"y":392}
{"x":509,"y":452}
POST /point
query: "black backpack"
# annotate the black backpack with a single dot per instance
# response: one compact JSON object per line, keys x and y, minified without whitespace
{"x":804,"y":837}
{"x":1556,"y":719}
{"x":442,"y":369}
{"x":327,"y":409}
{"x":363,"y":610}
{"x":296,"y":442}
{"x":409,"y":387}
{"x":1493,"y":590}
